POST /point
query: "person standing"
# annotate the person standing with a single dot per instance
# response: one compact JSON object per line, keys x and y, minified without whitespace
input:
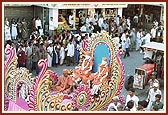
{"x":133,"y":97}
{"x":70,"y":53}
{"x":35,"y":58}
{"x":151,"y":95}
{"x":21,"y":57}
{"x":139,"y":41}
{"x":51,"y":27}
{"x":38,"y":24}
{"x":132,"y":39}
{"x":43,"y":51}
{"x":114,"y":104}
{"x":71,"y":19}
{"x":152,"y":81}
{"x":127,"y":43}
{"x":19,"y":28}
{"x":55,"y":54}
{"x":29,"y":56}
{"x":14,"y":29}
{"x":158,"y":102}
{"x":50,"y":54}
{"x":153,"y":33}
{"x":33,"y":26}
{"x":24,"y":29}
{"x":7,"y":30}
{"x":62,"y":54}
{"x":100,"y":21}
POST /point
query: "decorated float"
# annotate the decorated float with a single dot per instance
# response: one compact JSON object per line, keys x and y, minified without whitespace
{"x":25,"y":92}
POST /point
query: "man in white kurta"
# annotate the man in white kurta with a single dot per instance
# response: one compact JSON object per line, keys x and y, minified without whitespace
{"x":71,"y":19}
{"x":152,"y":93}
{"x":153,"y":33}
{"x":62,"y":55}
{"x":51,"y":27}
{"x":50,"y":54}
{"x":139,"y":40}
{"x":133,"y":97}
{"x":70,"y":52}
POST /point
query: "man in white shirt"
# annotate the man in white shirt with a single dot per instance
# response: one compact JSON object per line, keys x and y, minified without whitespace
{"x":153,"y":33}
{"x":38,"y":24}
{"x":83,"y":28}
{"x":133,"y":97}
{"x":50,"y":54}
{"x":114,"y":104}
{"x":127,"y":44}
{"x":100,"y":21}
{"x":139,"y":41}
{"x":146,"y":38}
{"x":71,"y":19}
{"x":94,"y":20}
{"x":51,"y":27}
{"x":70,"y":53}
{"x":152,"y":93}
{"x":117,"y":40}
{"x":29,"y":56}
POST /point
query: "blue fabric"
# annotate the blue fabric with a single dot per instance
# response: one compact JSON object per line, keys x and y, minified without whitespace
{"x":100,"y":51}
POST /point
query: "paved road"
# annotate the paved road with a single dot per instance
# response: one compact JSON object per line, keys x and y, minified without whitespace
{"x":130,"y":63}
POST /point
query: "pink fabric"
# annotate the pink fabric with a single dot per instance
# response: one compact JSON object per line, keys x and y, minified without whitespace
{"x":22,"y":103}
{"x":65,"y":101}
{"x":14,"y":107}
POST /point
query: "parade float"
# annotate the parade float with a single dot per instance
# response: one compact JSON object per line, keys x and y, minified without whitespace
{"x":25,"y":92}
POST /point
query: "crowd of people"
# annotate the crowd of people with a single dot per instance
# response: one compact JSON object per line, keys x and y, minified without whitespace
{"x":64,"y":47}
{"x":153,"y":102}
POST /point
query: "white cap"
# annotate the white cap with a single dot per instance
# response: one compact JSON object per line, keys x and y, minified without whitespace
{"x":116,"y":98}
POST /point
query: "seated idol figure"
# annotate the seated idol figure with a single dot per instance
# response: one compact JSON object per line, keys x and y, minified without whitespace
{"x":64,"y":84}
{"x":81,"y":73}
{"x":101,"y":76}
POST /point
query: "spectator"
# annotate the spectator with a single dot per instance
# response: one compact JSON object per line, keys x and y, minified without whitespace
{"x":151,"y":95}
{"x":35,"y":58}
{"x":14,"y":29}
{"x":152,"y":81}
{"x":157,"y":102}
{"x":38,"y":24}
{"x":7,"y":30}
{"x":115,"y":103}
{"x":71,"y":19}
{"x":130,"y":106}
{"x":21,"y":57}
{"x":50,"y":54}
{"x":29,"y":56}
{"x":51,"y":27}
{"x":70,"y":53}
{"x":133,"y":97}
{"x":62,"y":54}
{"x":127,"y":43}
{"x":24,"y":29}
